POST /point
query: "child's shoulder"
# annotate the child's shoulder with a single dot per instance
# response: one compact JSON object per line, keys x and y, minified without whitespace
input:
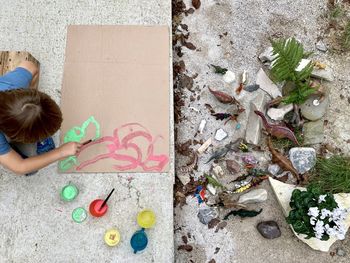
{"x":17,"y":78}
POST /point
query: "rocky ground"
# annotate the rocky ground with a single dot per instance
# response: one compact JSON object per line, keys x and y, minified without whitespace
{"x":232,"y":34}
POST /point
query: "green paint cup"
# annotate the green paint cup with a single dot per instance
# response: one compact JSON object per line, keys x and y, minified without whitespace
{"x":79,"y":214}
{"x":69,"y":192}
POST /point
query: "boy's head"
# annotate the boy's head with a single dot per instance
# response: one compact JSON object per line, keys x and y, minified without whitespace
{"x":28,"y":116}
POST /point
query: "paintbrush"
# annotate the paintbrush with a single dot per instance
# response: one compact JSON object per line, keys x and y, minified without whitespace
{"x":87,"y":142}
{"x":105,"y":201}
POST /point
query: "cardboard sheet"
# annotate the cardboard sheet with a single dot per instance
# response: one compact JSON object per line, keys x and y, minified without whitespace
{"x":116,"y":91}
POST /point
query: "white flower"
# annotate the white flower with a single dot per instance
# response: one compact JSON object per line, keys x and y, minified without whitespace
{"x":338,"y":214}
{"x":325,"y":213}
{"x":321,"y":198}
{"x":319,"y":229}
{"x":313,"y":211}
{"x":313,"y":220}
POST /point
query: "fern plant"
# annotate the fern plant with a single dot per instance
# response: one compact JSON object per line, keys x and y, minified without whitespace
{"x":287,"y":57}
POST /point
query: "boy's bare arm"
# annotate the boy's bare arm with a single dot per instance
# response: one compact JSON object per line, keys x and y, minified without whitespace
{"x":14,"y":162}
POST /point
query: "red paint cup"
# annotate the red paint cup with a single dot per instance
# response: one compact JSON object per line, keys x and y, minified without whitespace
{"x":95,"y":208}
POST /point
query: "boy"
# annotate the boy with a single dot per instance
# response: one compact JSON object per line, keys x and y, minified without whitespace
{"x":28,"y":116}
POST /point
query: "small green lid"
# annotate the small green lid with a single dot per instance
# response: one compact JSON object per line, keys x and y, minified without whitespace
{"x":79,"y":214}
{"x":69,"y":192}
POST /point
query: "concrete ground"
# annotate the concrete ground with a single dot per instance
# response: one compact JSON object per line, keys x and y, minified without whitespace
{"x":232,"y":34}
{"x":35,"y":225}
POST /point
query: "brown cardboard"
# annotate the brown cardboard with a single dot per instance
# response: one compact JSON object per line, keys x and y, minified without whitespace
{"x":119,"y":75}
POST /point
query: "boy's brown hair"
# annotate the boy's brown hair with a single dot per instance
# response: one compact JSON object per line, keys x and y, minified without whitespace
{"x":28,"y":115}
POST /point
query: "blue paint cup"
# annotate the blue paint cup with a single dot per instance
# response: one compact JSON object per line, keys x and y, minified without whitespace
{"x":139,"y":240}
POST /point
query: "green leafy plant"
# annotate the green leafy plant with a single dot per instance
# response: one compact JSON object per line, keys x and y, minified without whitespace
{"x":336,"y":11}
{"x":288,"y":55}
{"x":312,"y":203}
{"x":332,"y":174}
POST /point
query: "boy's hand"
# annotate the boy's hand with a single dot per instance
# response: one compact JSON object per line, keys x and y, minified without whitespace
{"x":69,"y":149}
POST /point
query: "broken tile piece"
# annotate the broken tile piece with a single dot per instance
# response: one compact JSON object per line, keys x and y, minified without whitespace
{"x":326,"y":74}
{"x":217,"y":170}
{"x":254,"y":196}
{"x":202,"y":126}
{"x":253,"y":129}
{"x":204,"y":146}
{"x":277,"y":114}
{"x":321,"y":46}
{"x":267,"y":85}
{"x":267,"y":55}
{"x":220,"y":135}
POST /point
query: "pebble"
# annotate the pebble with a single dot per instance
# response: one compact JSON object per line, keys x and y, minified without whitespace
{"x":274,"y":169}
{"x":321,"y":46}
{"x":314,"y":111}
{"x":302,"y":158}
{"x":277,"y":114}
{"x":251,"y":88}
{"x":267,"y":85}
{"x":229,"y":77}
{"x":232,"y":166}
{"x":313,"y":132}
{"x":341,"y":252}
{"x":254,"y":196}
{"x":269,"y":229}
{"x":207,"y":214}
{"x":220,"y":135}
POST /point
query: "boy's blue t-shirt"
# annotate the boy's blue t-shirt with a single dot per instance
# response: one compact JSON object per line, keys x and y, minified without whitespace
{"x":16,"y":79}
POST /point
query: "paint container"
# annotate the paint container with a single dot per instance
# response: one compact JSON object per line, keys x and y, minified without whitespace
{"x":112,"y":237}
{"x":146,"y":218}
{"x":69,"y":192}
{"x":139,"y":241}
{"x":95,"y":208}
{"x":79,"y":214}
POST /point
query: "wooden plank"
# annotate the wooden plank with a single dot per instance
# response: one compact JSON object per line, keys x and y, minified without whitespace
{"x":9,"y":60}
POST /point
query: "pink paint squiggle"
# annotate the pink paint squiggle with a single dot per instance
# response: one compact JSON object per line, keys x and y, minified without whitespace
{"x":150,"y":162}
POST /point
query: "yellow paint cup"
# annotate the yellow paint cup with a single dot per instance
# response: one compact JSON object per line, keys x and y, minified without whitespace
{"x":112,"y":237}
{"x":146,"y":218}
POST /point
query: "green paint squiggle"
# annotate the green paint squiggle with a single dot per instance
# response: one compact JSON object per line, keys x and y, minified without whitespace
{"x":76,"y":134}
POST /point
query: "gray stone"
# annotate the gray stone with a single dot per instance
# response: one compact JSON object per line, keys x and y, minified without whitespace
{"x":267,"y":85}
{"x":321,"y":46}
{"x":251,"y":88}
{"x":313,"y":132}
{"x":267,"y":55}
{"x":253,"y":129}
{"x":341,"y":252}
{"x":302,"y":158}
{"x":269,"y":229}
{"x":277,"y":114}
{"x":233,"y":166}
{"x":274,"y":169}
{"x":206,"y":214}
{"x":254,"y":196}
{"x":217,"y":170}
{"x":326,"y":74}
{"x":220,"y":135}
{"x":183,"y":177}
{"x":313,"y":109}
